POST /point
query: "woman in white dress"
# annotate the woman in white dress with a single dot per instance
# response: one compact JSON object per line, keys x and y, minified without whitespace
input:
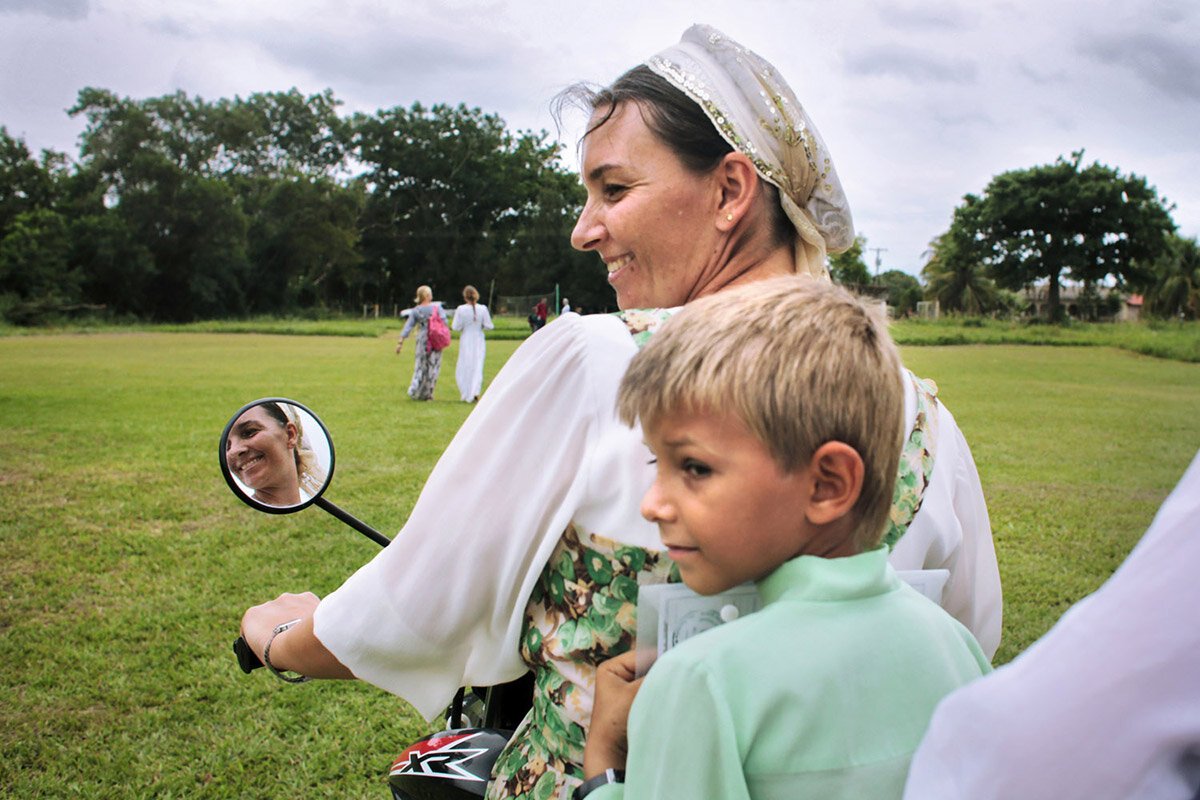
{"x":472,"y":319}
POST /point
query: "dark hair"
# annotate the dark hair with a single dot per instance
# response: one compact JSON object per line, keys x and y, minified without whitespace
{"x":675,"y":119}
{"x":276,"y":412}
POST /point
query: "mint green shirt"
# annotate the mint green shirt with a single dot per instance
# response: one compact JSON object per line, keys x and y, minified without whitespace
{"x":825,"y":692}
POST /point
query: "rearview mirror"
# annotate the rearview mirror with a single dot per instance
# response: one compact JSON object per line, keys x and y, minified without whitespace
{"x":276,"y":455}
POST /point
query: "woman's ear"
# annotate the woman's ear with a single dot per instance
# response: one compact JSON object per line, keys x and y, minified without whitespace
{"x":738,"y":182}
{"x":291,"y":435}
{"x":836,"y":471}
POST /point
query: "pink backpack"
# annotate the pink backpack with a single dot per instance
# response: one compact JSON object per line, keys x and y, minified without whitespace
{"x":438,"y":337}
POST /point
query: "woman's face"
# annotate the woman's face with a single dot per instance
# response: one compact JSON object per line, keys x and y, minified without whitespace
{"x":260,"y":452}
{"x":650,"y":219}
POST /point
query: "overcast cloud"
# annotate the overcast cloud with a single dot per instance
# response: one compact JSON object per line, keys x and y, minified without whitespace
{"x":920,"y":102}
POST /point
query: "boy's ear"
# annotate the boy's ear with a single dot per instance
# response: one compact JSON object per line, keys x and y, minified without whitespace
{"x":836,"y":470}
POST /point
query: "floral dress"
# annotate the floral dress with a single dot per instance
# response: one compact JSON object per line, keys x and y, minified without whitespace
{"x":428,"y":362}
{"x":583,"y":611}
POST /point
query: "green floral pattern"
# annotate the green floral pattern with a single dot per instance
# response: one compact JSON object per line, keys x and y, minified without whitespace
{"x":643,"y":322}
{"x":583,"y":611}
{"x":916,"y":462}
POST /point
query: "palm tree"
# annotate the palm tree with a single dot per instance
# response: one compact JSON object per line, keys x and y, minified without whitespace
{"x":957,"y":278}
{"x":1176,"y":287}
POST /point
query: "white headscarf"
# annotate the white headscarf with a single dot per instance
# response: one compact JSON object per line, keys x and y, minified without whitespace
{"x":308,"y":467}
{"x":756,"y":111}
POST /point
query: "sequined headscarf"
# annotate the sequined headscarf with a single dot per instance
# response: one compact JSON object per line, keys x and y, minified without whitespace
{"x":755,"y":110}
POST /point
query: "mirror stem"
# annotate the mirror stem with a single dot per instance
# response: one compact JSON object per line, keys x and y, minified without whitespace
{"x":353,"y":522}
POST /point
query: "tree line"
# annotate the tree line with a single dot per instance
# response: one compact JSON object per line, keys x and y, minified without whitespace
{"x":1091,"y":224}
{"x":1040,"y":226}
{"x":178,"y":209}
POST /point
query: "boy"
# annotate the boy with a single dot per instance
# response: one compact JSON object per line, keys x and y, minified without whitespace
{"x":774,"y":414}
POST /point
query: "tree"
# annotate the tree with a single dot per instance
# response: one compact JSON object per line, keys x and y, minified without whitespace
{"x":26,"y":183}
{"x":848,"y":267}
{"x":279,"y":135}
{"x":180,"y":208}
{"x":904,"y":290}
{"x":303,"y":239}
{"x":35,"y":269}
{"x":954,"y":275}
{"x":1175,"y":289}
{"x":196,"y":235}
{"x":116,"y":268}
{"x":276,"y":134}
{"x":1089,"y":223}
{"x":450,"y":193}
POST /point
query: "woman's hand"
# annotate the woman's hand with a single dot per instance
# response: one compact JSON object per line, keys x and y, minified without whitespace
{"x":259,"y":621}
{"x":399,"y":345}
{"x":607,"y":742}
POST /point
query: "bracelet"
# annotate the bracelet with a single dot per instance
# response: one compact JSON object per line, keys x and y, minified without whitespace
{"x":267,"y":655}
{"x":603,"y":779}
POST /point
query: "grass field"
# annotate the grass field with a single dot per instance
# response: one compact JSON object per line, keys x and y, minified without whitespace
{"x":127,"y":562}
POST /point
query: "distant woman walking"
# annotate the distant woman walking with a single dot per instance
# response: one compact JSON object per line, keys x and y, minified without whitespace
{"x":472,"y":318}
{"x":428,"y":360}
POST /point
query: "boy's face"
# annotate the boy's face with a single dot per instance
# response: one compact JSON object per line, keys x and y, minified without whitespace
{"x":725,"y":510}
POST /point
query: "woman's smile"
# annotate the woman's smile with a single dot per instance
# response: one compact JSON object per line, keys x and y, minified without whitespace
{"x":248,"y":463}
{"x":617,"y":264}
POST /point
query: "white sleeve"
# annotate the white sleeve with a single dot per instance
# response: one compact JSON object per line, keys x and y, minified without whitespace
{"x":443,"y":604}
{"x":1104,"y":706}
{"x":487,"y":319}
{"x":459,"y":320}
{"x":952,"y":531}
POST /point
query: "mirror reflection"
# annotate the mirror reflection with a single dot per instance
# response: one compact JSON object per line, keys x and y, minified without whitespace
{"x":276,"y":453}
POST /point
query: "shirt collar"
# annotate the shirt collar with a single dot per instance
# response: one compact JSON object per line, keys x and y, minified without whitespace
{"x":816,"y":579}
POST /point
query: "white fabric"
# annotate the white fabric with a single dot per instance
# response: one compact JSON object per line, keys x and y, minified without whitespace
{"x":952,"y":531}
{"x":1105,"y":705}
{"x":756,"y":111}
{"x":472,"y":321}
{"x":443,"y":605}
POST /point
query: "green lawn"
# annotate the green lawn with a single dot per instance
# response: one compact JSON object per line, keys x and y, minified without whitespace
{"x":127,"y":562}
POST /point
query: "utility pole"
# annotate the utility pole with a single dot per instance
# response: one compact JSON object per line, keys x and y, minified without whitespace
{"x":877,"y":251}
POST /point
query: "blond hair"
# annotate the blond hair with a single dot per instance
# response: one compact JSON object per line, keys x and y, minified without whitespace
{"x":423,"y":293}
{"x":470,"y":294}
{"x":800,"y":363}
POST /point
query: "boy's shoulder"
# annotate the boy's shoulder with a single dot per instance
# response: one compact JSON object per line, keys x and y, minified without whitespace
{"x":812,"y":630}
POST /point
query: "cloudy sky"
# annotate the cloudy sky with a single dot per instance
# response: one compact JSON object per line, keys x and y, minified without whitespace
{"x":920,"y":101}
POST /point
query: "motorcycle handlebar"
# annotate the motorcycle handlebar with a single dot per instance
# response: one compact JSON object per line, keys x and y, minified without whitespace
{"x":246,"y":658}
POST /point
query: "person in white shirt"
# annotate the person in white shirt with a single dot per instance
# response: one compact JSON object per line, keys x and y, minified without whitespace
{"x":1105,"y":706}
{"x":472,"y":318}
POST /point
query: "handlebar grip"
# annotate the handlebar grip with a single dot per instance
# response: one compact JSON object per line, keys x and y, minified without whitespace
{"x":246,"y":658}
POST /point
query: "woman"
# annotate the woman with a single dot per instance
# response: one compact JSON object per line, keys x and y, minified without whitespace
{"x":472,"y":319}
{"x":267,"y":451}
{"x":428,"y":361}
{"x":546,"y":548}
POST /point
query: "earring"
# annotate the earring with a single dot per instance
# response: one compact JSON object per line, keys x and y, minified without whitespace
{"x":729,"y":217}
